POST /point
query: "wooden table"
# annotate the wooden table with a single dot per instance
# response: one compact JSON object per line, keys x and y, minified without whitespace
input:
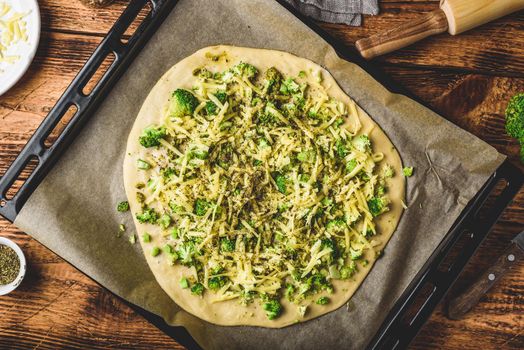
{"x":468,"y":79}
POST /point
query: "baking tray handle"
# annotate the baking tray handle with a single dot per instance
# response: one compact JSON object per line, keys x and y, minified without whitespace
{"x":124,"y":50}
{"x":438,"y":275}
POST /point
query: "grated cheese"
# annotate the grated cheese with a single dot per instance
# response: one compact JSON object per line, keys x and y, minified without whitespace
{"x":12,"y":31}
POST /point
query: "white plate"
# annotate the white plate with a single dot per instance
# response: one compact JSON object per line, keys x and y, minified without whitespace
{"x":8,"y":288}
{"x":11,"y":73}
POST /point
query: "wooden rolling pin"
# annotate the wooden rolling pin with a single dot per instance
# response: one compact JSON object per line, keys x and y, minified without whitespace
{"x":454,"y":16}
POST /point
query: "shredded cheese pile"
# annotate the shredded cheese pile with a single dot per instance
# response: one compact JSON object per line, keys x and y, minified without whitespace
{"x":12,"y":31}
{"x":262,"y":185}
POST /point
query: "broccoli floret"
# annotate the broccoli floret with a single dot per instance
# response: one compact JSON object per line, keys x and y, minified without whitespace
{"x":225,"y":125}
{"x":326,"y":201}
{"x":168,"y":249}
{"x":198,"y":154}
{"x":333,"y":272}
{"x":337,"y":225}
{"x":148,"y":215}
{"x":211,"y":107}
{"x":256,"y":101}
{"x":289,"y":86}
{"x":217,"y":282}
{"x":355,"y":254}
{"x":364,"y":176}
{"x":322,"y":301}
{"x":377,"y":206}
{"x":183,"y":103}
{"x":227,"y":245}
{"x":270,"y":114}
{"x":351,"y":165}
{"x":339,"y":122}
{"x":262,"y":117}
{"x":515,"y":120}
{"x":186,"y":252}
{"x":164,"y":221}
{"x":341,"y":149}
{"x":263,"y":143}
{"x":175,"y":208}
{"x":201,"y":206}
{"x":272,"y":80}
{"x":197,"y":289}
{"x":313,"y":114}
{"x":380,"y":190}
{"x":290,"y":289}
{"x":303,"y":178}
{"x":151,"y":136}
{"x":184,"y":283}
{"x":280,"y":181}
{"x":245,"y":70}
{"x":142,"y":164}
{"x":290,"y":110}
{"x":362,"y":143}
{"x":300,"y":100}
{"x":348,"y":271}
{"x":273,"y":309}
{"x":123,"y":206}
{"x":318,"y":282}
{"x":306,"y":156}
{"x":175,"y":233}
{"x":515,"y":117}
{"x":407,"y":171}
{"x":168,"y":173}
{"x":155,"y":251}
{"x":330,"y":243}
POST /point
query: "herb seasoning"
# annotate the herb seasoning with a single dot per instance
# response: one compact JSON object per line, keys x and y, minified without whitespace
{"x":9,"y":265}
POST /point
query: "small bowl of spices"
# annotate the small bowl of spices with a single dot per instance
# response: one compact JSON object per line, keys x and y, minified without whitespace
{"x":12,"y":266}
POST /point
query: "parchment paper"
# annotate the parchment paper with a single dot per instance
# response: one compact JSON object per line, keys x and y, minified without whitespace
{"x":73,"y":211}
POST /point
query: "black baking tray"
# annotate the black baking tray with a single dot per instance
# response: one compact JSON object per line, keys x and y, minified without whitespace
{"x":418,"y":300}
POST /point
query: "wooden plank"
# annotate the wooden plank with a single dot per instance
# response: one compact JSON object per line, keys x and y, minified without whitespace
{"x":494,"y":48}
{"x":58,"y":307}
{"x":476,"y":103}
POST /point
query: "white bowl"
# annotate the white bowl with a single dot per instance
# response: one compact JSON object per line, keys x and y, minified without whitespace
{"x":26,"y":50}
{"x":8,"y":288}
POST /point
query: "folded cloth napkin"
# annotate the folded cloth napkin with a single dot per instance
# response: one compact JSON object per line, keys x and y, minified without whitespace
{"x":337,"y":11}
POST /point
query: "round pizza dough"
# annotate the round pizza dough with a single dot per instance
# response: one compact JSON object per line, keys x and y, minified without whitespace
{"x":230,"y":313}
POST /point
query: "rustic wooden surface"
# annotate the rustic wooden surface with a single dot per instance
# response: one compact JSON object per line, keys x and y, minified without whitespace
{"x":468,"y":79}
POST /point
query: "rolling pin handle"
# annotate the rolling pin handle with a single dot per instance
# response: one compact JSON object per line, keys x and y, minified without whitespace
{"x":403,"y":35}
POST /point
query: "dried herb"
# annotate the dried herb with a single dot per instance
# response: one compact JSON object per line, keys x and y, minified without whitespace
{"x":9,"y":265}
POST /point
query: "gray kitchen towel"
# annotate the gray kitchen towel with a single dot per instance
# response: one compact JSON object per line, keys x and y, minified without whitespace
{"x":337,"y":11}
